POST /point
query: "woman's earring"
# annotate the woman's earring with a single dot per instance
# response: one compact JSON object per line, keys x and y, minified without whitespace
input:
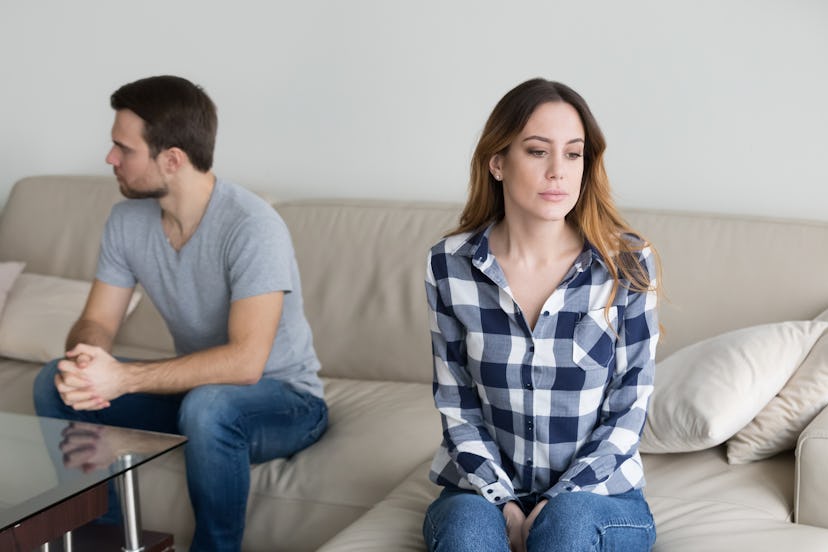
{"x":498,"y":177}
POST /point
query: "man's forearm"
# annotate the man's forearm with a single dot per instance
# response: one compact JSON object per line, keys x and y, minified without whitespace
{"x":90,"y":333}
{"x":225,"y":364}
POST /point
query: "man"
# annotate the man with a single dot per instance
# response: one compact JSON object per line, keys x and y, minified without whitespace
{"x":218,"y":263}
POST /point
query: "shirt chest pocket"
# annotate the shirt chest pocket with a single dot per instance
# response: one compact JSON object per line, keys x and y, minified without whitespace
{"x":593,"y":343}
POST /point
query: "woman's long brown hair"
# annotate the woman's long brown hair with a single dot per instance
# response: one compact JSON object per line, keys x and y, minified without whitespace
{"x":595,"y":216}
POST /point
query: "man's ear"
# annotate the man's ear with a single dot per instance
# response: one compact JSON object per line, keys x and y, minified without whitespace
{"x":172,"y":159}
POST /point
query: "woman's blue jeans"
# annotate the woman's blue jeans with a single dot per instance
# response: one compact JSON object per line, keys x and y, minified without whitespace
{"x":228,"y":427}
{"x":460,"y":521}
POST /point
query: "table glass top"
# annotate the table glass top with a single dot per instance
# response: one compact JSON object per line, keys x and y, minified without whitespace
{"x":44,"y":461}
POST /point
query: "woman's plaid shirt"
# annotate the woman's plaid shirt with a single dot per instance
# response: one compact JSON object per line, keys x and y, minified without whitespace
{"x":556,"y":409}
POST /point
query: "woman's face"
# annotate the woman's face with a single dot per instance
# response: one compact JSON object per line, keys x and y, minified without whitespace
{"x":542,"y":169}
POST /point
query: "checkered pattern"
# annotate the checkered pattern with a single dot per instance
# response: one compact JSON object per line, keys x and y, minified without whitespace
{"x":557,"y":409}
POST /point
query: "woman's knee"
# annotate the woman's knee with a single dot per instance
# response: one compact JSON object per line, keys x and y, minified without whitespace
{"x":464,"y":521}
{"x":587,"y":521}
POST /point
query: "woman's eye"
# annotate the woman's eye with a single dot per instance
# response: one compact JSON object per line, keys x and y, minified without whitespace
{"x":537,"y":153}
{"x":574,"y":155}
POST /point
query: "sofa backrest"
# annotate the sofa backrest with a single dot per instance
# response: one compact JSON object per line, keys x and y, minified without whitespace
{"x":54,"y":224}
{"x":723,"y":272}
{"x":362,"y":265}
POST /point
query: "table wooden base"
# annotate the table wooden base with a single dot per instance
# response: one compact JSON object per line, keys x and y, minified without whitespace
{"x":51,"y":523}
{"x":110,"y":538}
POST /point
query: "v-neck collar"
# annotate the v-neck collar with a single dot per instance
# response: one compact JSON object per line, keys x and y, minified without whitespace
{"x":197,"y":232}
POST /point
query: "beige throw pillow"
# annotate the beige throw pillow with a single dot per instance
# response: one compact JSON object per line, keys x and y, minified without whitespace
{"x":9,"y":272}
{"x":777,"y":427}
{"x":706,"y":392}
{"x":39,"y":313}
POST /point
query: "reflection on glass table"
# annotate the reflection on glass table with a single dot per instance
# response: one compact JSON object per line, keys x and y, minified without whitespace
{"x":47,"y":465}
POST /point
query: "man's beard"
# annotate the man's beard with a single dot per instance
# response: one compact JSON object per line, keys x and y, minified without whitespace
{"x":131,"y":193}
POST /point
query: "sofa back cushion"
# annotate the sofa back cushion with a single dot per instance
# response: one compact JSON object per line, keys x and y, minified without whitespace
{"x":54,"y":224}
{"x":362,"y":265}
{"x":724,"y":272}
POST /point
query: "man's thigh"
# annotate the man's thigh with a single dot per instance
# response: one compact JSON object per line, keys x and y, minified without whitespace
{"x":276,"y":419}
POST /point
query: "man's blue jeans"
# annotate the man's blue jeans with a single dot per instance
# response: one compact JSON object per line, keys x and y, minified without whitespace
{"x":460,"y":521}
{"x":228,"y":427}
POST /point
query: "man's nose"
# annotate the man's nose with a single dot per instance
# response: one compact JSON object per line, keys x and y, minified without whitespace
{"x":112,"y":157}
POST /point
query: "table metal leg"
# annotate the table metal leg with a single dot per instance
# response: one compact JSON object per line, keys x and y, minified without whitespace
{"x":67,"y":541}
{"x":130,"y":506}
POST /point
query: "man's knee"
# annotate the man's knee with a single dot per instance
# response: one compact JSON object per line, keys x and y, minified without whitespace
{"x":204,"y":408}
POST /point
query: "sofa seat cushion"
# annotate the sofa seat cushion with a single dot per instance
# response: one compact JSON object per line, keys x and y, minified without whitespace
{"x":681,"y":483}
{"x":730,"y":535}
{"x":699,"y":501}
{"x":395,"y":523}
{"x":378,"y":433}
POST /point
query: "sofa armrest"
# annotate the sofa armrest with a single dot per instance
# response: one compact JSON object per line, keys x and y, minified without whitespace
{"x":811,"y":486}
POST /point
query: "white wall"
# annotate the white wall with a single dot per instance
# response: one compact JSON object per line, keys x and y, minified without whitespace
{"x":713,"y":105}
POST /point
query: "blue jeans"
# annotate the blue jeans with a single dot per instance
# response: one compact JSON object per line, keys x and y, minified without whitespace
{"x":460,"y":521}
{"x":228,"y":427}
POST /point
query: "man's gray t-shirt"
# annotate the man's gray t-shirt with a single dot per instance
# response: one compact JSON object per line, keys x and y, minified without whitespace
{"x":240,"y":249}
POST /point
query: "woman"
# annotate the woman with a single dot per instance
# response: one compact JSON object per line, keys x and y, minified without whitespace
{"x":544,"y":329}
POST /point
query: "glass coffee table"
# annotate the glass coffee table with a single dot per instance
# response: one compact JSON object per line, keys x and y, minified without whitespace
{"x":54,"y":477}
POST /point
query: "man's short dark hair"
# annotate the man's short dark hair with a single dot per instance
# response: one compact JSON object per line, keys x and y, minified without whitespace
{"x":176,"y":113}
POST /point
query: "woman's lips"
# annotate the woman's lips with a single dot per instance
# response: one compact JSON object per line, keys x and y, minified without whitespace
{"x":554,"y":195}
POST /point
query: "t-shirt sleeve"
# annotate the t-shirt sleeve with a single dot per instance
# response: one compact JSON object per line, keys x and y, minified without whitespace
{"x":113,"y":263}
{"x":260,"y":258}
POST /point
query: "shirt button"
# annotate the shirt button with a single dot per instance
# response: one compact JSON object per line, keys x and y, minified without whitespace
{"x":546,"y":313}
{"x":497,"y":499}
{"x":490,"y":491}
{"x":531,"y":348}
{"x":529,"y":462}
{"x":528,"y":386}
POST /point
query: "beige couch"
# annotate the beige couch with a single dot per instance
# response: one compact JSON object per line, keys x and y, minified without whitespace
{"x":364,"y":486}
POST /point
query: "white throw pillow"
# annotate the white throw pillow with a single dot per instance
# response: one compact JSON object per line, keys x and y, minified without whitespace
{"x":9,"y":272}
{"x":777,"y":427}
{"x":40,"y":311}
{"x":706,"y":392}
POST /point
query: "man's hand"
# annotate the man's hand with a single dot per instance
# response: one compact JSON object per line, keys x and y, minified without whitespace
{"x":514,"y":526}
{"x":530,"y":519}
{"x":89,"y":378}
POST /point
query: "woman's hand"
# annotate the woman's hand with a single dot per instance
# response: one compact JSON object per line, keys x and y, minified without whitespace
{"x":530,"y":519}
{"x":514,"y":526}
